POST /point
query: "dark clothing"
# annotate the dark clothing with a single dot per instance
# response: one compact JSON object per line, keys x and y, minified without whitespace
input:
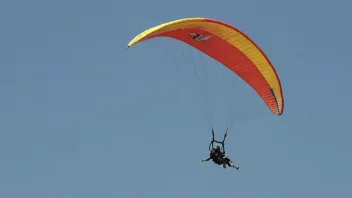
{"x":214,"y":157}
{"x":217,"y":157}
{"x":220,"y":159}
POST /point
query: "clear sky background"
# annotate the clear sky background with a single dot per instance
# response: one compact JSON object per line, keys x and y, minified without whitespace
{"x":82,"y":117}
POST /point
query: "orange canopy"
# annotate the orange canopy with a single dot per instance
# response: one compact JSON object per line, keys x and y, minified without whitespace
{"x":229,"y":46}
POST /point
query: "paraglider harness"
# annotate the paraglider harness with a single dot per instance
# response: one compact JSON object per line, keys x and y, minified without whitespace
{"x":222,"y":148}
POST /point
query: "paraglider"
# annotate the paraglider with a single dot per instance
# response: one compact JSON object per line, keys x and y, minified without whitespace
{"x":230,"y":47}
{"x":217,"y":155}
{"x":219,"y":159}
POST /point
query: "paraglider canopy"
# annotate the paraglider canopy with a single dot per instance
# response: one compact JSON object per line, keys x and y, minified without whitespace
{"x":229,"y":46}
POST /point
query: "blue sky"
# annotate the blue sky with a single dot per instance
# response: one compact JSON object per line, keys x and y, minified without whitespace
{"x":81,"y":116}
